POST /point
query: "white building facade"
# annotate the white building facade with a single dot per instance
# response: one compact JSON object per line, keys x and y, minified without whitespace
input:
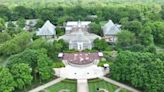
{"x":78,"y":36}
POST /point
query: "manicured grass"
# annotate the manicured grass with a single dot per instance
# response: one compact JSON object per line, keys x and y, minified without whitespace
{"x":99,"y":83}
{"x":66,"y":84}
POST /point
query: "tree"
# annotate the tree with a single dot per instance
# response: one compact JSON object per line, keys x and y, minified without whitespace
{"x":124,"y":21}
{"x":22,"y":75}
{"x":100,"y":44}
{"x":38,"y":43}
{"x":4,"y":37}
{"x":64,"y":44}
{"x":40,"y":23}
{"x":2,"y":24}
{"x":125,"y":39}
{"x":141,"y":70}
{"x":15,"y":45}
{"x":44,"y":67}
{"x":133,"y":26}
{"x":95,"y":28}
{"x":27,"y":57}
{"x":59,"y":31}
{"x":5,"y":12}
{"x":133,"y":13}
{"x":158,"y":32}
{"x":37,"y":60}
{"x":61,"y":20}
{"x":47,"y":14}
{"x":7,"y":83}
{"x":23,"y":12}
{"x":21,"y":22}
{"x":60,"y":45}
{"x":146,"y":38}
{"x":12,"y":29}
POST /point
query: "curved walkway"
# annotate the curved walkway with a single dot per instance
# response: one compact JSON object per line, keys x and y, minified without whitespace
{"x":118,"y":90}
{"x":72,"y":72}
{"x":42,"y":87}
{"x":119,"y":84}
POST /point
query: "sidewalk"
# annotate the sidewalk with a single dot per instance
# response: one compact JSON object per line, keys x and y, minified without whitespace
{"x":82,"y":85}
{"x":119,"y":84}
{"x":46,"y":85}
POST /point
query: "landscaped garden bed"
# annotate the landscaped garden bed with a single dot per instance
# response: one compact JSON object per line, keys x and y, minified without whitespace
{"x":69,"y":85}
{"x":99,"y":85}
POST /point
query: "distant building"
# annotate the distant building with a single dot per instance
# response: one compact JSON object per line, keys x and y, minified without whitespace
{"x":74,"y":25}
{"x":29,"y":24}
{"x":110,"y":31}
{"x":79,"y":38}
{"x":47,"y":30}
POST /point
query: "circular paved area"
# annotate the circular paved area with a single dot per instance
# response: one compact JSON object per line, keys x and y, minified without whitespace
{"x":71,"y":72}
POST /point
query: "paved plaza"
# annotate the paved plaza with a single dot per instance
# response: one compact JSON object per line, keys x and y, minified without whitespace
{"x":73,"y":72}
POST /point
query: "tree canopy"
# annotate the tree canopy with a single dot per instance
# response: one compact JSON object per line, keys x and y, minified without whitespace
{"x":22,"y":75}
{"x":142,"y":70}
{"x":16,"y":44}
{"x":7,"y":83}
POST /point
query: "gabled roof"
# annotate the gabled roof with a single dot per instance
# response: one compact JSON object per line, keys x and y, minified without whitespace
{"x":110,"y":28}
{"x":47,"y":29}
{"x":79,"y":36}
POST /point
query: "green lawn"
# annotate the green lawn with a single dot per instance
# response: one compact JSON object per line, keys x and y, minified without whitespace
{"x":66,"y":84}
{"x":98,"y":83}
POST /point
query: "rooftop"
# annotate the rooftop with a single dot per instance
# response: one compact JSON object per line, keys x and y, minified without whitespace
{"x":110,"y":28}
{"x":47,"y":29}
{"x":81,"y":58}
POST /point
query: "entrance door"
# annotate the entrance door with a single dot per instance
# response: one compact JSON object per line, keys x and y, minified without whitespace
{"x":80,"y":46}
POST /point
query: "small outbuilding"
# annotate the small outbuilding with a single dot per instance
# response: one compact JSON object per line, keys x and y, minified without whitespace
{"x":47,"y":30}
{"x":110,"y":31}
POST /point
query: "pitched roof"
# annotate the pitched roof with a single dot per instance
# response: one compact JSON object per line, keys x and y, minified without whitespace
{"x":110,"y":28}
{"x":47,"y":29}
{"x":79,"y":36}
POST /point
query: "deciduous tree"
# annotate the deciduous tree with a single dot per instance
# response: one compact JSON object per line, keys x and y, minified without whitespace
{"x":22,"y":75}
{"x":7,"y":83}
